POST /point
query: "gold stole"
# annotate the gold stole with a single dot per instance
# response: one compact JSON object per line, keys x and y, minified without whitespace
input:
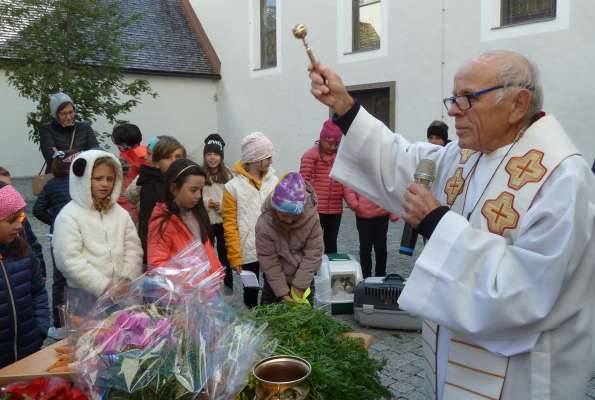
{"x":473,"y":372}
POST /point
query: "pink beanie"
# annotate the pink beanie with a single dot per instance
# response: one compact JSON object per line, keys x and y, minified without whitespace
{"x":330,"y":132}
{"x":11,"y":202}
{"x":256,"y":147}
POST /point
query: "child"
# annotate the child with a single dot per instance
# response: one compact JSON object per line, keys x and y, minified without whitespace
{"x":182,"y":218}
{"x":128,"y":138}
{"x":5,"y":176}
{"x":315,"y":168}
{"x":23,"y":299}
{"x":243,"y":197}
{"x":289,"y":241}
{"x":54,"y":196}
{"x":372,"y":225}
{"x":217,"y":176}
{"x":438,"y":133}
{"x":27,"y":231}
{"x":95,"y":241}
{"x":133,"y":190}
{"x":151,"y":181}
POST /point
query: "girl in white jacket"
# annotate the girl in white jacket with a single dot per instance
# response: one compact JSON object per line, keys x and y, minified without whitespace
{"x":95,"y":241}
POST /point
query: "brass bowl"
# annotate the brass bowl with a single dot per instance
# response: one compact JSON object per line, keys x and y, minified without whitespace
{"x":282,"y":378}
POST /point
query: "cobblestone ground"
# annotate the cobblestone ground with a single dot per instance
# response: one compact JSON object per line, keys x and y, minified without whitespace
{"x":401,"y":349}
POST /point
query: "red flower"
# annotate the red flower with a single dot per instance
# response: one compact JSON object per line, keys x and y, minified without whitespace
{"x":57,"y":388}
{"x":77,"y":394}
{"x":45,"y":389}
{"x":28,"y":390}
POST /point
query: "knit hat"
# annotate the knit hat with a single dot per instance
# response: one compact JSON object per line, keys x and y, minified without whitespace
{"x":11,"y":201}
{"x":330,"y":132}
{"x":56,"y":100}
{"x":256,"y":147}
{"x":440,"y":129}
{"x":289,"y":196}
{"x":214,"y":144}
{"x":153,"y":140}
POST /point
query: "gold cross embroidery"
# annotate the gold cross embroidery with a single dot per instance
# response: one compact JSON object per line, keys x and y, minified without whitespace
{"x":525,"y":169}
{"x":454,"y":186}
{"x":465,"y":155}
{"x":500,"y":213}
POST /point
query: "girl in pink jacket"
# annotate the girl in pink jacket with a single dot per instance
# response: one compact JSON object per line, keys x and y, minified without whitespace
{"x":372,"y":226}
{"x":315,"y":168}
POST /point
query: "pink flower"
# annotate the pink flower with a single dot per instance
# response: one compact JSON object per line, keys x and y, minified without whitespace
{"x":136,"y":322}
{"x":123,"y":316}
{"x":162,"y":328}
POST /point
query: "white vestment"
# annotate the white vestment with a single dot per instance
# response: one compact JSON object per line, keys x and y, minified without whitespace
{"x":528,"y":299}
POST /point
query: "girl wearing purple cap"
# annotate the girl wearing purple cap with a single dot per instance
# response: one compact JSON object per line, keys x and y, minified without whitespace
{"x":24,"y":312}
{"x":315,"y":168}
{"x":289,"y":241}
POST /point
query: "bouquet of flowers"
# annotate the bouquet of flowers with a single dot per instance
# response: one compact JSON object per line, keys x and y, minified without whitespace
{"x":170,"y":334}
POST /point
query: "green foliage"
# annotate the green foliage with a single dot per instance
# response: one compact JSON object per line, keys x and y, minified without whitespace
{"x":73,"y":46}
{"x":341,"y":367}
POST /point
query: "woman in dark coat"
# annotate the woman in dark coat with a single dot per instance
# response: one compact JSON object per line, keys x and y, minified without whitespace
{"x":24,"y":312}
{"x":58,"y":134}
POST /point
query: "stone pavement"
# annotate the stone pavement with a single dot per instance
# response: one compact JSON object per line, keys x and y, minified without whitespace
{"x":402,"y":350}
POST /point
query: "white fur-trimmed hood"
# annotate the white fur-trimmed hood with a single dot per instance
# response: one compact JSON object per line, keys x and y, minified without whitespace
{"x":81,"y":170}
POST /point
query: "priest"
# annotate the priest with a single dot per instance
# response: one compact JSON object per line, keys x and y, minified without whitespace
{"x":506,"y":281}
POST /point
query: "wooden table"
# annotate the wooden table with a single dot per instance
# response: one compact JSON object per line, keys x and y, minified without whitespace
{"x":33,"y":366}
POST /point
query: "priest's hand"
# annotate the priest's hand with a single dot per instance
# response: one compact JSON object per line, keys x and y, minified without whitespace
{"x":418,"y":202}
{"x":328,"y":88}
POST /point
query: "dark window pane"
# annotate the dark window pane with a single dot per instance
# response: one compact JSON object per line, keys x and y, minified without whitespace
{"x":366,"y":24}
{"x":268,"y":33}
{"x":523,"y":11}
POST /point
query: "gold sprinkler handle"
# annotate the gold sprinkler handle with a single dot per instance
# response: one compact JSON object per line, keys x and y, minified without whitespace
{"x":299,"y":32}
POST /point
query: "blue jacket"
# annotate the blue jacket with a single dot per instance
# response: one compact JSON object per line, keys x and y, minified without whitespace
{"x":53,"y":197}
{"x":24,"y":311}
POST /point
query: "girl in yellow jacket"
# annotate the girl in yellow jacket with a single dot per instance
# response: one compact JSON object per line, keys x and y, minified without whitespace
{"x":242,"y":201}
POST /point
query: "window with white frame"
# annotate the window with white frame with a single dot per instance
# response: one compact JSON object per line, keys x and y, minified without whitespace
{"x":514,"y":12}
{"x":365,"y":25}
{"x":506,"y":19}
{"x":268,"y":33}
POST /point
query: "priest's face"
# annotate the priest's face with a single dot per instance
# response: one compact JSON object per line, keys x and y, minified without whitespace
{"x":482,"y":126}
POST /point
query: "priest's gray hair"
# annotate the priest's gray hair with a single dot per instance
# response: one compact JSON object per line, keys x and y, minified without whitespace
{"x":515,"y":70}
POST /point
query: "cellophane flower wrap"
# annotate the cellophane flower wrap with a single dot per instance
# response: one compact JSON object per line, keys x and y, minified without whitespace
{"x":170,"y":334}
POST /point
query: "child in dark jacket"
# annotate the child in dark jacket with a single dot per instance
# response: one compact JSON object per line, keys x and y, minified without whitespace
{"x":53,"y":197}
{"x":27,"y":231}
{"x":152,"y":182}
{"x":24,"y":314}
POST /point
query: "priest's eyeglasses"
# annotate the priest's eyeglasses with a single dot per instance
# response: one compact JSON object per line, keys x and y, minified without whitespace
{"x":463,"y":102}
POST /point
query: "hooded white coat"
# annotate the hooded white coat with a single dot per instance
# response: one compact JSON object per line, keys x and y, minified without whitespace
{"x":93,"y":249}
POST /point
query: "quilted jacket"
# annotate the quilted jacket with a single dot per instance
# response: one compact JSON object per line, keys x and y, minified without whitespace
{"x":24,"y":311}
{"x":315,"y":169}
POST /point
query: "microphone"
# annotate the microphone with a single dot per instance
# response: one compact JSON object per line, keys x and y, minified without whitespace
{"x":424,"y":174}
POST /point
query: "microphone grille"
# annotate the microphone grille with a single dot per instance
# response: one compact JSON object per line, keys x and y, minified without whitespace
{"x":426,"y":170}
